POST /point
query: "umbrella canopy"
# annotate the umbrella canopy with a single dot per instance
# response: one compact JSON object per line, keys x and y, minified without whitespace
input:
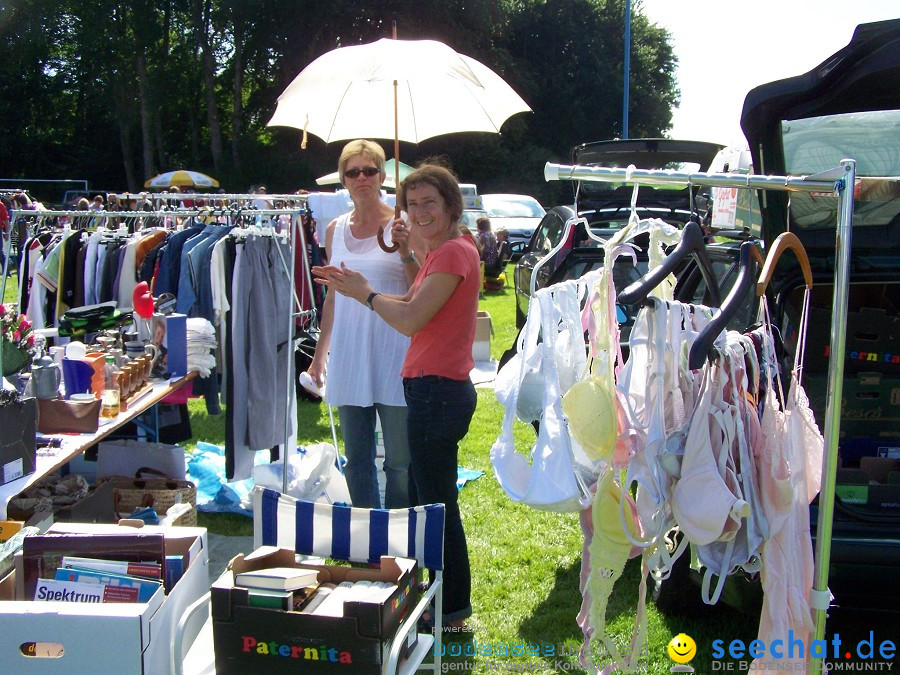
{"x":405,"y":170}
{"x":181,"y":178}
{"x":349,"y":93}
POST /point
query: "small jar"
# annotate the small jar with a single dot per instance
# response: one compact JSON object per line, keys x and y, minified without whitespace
{"x":126,"y":380}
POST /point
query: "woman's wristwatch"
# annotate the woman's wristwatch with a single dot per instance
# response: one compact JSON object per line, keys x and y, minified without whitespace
{"x":370,"y":299}
{"x":411,"y":258}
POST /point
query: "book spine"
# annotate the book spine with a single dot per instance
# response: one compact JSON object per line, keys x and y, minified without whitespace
{"x":284,"y":601}
{"x":174,"y":570}
{"x":138,"y":569}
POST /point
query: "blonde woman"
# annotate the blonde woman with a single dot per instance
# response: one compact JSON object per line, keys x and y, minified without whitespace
{"x":362,"y":353}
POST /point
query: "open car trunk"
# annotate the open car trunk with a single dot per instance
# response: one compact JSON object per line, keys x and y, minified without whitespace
{"x":848,"y":107}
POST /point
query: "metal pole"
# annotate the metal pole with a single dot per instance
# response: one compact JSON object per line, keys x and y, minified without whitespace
{"x":294,"y":240}
{"x":602,"y":174}
{"x":832,"y":427}
{"x":627,"y":68}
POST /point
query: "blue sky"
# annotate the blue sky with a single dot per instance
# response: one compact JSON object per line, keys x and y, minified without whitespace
{"x":725,"y":48}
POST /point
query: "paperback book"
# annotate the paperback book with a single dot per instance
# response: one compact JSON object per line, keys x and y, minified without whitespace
{"x":145,"y":587}
{"x":53,"y":590}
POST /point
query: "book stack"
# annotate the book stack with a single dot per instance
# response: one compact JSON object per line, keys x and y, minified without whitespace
{"x":75,"y":567}
{"x":100,"y":580}
{"x":286,"y":588}
{"x":329,"y":599}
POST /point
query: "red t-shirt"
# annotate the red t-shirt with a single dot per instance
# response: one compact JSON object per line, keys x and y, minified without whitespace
{"x":443,"y":346}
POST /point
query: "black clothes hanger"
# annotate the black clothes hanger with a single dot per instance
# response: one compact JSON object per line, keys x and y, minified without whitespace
{"x":692,"y":243}
{"x":750,"y":261}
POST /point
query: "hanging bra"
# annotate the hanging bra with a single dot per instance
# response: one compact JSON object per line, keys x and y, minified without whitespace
{"x":608,"y":549}
{"x":590,"y":405}
{"x":735,"y":548}
{"x":657,"y":345}
{"x":560,"y":472}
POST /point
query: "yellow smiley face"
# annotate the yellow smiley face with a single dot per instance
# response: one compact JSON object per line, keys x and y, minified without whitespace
{"x":682,"y":648}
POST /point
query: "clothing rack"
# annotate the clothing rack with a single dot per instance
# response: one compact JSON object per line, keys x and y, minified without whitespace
{"x":294,"y":312}
{"x":207,"y":196}
{"x":839,"y":180}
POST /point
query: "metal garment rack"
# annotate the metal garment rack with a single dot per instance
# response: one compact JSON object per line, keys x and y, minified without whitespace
{"x":294,"y":312}
{"x":157,"y":197}
{"x":839,"y":180}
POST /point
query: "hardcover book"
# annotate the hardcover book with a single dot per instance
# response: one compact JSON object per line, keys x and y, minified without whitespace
{"x":278,"y":578}
{"x":264,"y":597}
{"x":147,"y":570}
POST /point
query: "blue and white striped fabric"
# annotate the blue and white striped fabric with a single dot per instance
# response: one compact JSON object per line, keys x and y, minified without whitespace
{"x":347,"y":533}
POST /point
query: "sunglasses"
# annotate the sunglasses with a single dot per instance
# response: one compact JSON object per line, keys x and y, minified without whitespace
{"x":368,"y":172}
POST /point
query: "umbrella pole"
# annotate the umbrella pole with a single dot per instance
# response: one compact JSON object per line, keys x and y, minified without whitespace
{"x":396,"y":137}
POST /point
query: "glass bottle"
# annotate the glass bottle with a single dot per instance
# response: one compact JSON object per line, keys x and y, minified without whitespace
{"x":110,"y":396}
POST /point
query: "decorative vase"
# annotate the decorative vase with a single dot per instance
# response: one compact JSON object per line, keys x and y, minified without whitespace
{"x":13,"y":358}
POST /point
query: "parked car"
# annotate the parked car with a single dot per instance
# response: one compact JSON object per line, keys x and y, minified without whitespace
{"x":847,"y":107}
{"x":470,"y":218}
{"x":607,"y":206}
{"x":519,"y":215}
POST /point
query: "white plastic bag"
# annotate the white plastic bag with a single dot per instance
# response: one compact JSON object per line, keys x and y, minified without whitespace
{"x":313,"y":475}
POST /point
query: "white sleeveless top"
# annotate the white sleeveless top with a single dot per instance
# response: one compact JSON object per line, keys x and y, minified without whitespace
{"x":366,"y":353}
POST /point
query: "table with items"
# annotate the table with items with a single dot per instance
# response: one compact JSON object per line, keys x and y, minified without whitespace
{"x":54,"y":451}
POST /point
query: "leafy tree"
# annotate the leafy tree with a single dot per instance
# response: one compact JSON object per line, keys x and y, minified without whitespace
{"x":116,"y":91}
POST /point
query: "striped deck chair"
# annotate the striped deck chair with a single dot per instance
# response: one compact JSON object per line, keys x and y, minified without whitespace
{"x":362,"y":535}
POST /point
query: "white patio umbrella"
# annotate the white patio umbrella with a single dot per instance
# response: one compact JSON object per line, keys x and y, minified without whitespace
{"x":349,"y":93}
{"x":408,"y":90}
{"x":181,"y":178}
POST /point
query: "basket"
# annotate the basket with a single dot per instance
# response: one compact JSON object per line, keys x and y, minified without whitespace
{"x":160,"y":493}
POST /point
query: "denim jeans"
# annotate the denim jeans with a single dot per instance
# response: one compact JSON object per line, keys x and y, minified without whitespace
{"x":358,"y":431}
{"x":440,"y":410}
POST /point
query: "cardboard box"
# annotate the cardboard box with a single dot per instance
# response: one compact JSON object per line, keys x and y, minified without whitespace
{"x":170,"y":337}
{"x":18,"y":450}
{"x":481,"y":348}
{"x":59,"y":637}
{"x":246,"y":638}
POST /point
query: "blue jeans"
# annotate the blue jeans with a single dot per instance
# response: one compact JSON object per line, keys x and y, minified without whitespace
{"x":358,"y":431}
{"x":440,"y":410}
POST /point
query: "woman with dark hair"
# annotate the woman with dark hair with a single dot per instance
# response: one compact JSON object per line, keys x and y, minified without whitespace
{"x":438,"y":313}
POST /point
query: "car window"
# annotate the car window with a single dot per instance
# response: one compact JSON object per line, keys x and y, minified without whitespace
{"x":470,"y":218}
{"x":819,"y":143}
{"x":512,"y":208}
{"x":548,"y":233}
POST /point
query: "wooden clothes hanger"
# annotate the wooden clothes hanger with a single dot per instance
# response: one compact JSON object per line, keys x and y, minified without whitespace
{"x":783,"y":242}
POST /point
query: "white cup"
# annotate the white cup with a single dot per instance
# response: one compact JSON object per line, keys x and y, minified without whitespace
{"x":83,"y":398}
